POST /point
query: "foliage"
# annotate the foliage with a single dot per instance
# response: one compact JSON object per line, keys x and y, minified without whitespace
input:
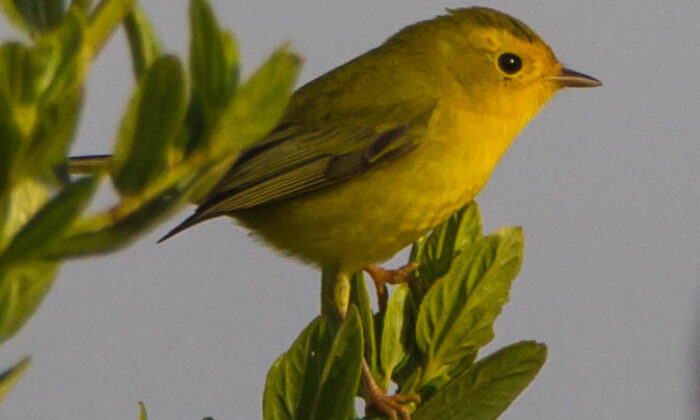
{"x":181,"y":129}
{"x":9,"y":378}
{"x":428,"y":338}
{"x":164,"y":152}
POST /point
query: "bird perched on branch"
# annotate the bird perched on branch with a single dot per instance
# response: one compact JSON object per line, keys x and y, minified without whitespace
{"x":375,"y":153}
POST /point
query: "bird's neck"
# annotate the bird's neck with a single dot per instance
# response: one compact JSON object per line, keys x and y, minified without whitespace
{"x":475,"y":140}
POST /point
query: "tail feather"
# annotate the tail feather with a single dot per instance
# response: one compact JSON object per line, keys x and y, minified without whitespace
{"x":197,"y":218}
{"x":94,"y":163}
{"x":88,"y":164}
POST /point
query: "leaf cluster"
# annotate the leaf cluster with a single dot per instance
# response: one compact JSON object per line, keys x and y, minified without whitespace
{"x":183,"y":124}
{"x":427,"y":340}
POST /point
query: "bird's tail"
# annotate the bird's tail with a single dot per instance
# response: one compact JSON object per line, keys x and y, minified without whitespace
{"x":84,"y":165}
{"x":81,"y":165}
{"x":196,"y":218}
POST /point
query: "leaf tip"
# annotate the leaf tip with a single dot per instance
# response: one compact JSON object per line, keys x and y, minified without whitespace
{"x":142,"y":411}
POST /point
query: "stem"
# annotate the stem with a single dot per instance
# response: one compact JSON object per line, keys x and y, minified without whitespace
{"x":108,"y":15}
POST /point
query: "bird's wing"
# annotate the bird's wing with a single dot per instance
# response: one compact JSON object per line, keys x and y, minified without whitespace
{"x":299,"y":157}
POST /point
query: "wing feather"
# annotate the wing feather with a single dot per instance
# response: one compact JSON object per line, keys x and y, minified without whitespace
{"x":247,"y":186}
{"x":277,"y":187}
{"x":302,"y":156}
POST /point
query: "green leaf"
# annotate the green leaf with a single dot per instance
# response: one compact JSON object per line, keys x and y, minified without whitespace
{"x":83,"y":5}
{"x":41,"y":88}
{"x":317,"y":378}
{"x":54,"y":117}
{"x":20,"y":70}
{"x":457,"y":314}
{"x":10,"y":377}
{"x":62,"y":55}
{"x":154,"y":115}
{"x":231,"y":55}
{"x":214,"y":69}
{"x":22,"y":289}
{"x":211,"y":61}
{"x":293,"y":379}
{"x":143,"y":41}
{"x":142,"y":411}
{"x":24,"y":200}
{"x":13,"y":15}
{"x":397,"y":333}
{"x":45,"y":154}
{"x":435,"y":253}
{"x":121,"y":233}
{"x":489,"y":387}
{"x":360,"y":298}
{"x":341,"y":373}
{"x":49,"y":223}
{"x":257,"y":105}
{"x":103,"y":21}
{"x":209,"y":178}
{"x":40,"y":15}
{"x":10,"y":141}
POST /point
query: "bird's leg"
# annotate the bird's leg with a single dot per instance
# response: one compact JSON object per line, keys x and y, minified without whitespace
{"x":382,"y":277}
{"x":341,"y":295}
{"x":378,"y":401}
{"x":375,"y":398}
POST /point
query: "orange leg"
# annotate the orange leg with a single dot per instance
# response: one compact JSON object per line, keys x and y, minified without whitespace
{"x":382,"y":277}
{"x":378,"y":401}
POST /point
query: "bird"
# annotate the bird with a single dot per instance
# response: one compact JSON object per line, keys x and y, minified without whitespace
{"x":375,"y":153}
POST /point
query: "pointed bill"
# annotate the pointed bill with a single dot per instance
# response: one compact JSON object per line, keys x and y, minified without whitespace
{"x":574,"y":79}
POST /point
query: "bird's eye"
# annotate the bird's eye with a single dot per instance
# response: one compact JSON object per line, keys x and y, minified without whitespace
{"x":509,"y":63}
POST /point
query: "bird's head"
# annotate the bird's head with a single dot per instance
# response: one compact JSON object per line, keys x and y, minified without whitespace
{"x":491,"y":57}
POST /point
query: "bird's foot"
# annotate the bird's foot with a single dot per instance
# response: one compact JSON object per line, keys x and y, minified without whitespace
{"x":382,"y":277}
{"x":392,"y":406}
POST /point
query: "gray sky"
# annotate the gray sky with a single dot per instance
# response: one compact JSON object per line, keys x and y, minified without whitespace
{"x":604,"y":181}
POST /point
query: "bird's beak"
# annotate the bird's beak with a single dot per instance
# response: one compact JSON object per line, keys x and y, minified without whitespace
{"x":574,"y":79}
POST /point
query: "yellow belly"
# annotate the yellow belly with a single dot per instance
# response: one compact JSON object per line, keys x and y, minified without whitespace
{"x":354,"y":224}
{"x":370,"y":218}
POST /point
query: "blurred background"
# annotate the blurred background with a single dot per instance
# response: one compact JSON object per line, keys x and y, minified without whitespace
{"x":605,"y":183}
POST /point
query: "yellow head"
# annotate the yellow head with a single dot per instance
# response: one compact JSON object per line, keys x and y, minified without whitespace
{"x":496,"y":61}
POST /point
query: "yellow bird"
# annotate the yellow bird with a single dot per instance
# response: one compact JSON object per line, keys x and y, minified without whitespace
{"x":375,"y":153}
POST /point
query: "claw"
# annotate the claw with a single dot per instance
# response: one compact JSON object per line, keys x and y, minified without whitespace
{"x":379,"y":402}
{"x":382,"y":277}
{"x":392,"y":406}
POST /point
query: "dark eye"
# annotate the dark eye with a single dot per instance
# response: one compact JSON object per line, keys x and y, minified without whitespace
{"x":509,"y":63}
